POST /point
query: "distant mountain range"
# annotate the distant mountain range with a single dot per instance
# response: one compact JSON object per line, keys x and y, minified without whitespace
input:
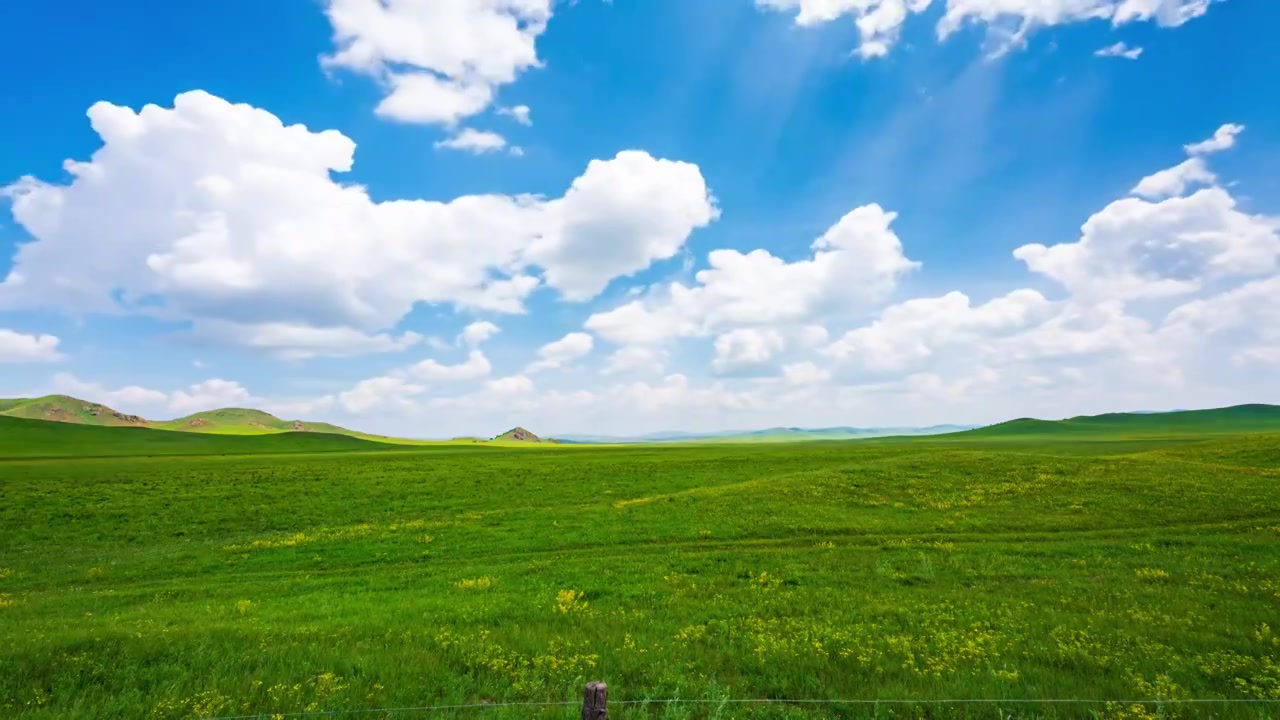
{"x":774,"y":434}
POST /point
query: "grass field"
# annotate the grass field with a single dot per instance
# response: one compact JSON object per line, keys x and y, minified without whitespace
{"x":282,"y":577}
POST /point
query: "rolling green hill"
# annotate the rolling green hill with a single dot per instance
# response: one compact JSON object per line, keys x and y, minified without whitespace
{"x":25,"y":438}
{"x":66,"y":409}
{"x":1236,"y":419}
{"x":225,"y":421}
{"x":238,"y":421}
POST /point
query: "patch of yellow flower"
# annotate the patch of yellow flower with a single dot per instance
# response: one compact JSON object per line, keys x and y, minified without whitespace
{"x":570,"y":601}
{"x":902,"y":543}
{"x":1151,"y":574}
{"x":483,"y":582}
{"x":559,"y":665}
{"x":1116,"y":711}
{"x":205,"y":704}
{"x":766,"y":582}
{"x":357,"y":531}
{"x":689,"y":634}
{"x":244,"y":606}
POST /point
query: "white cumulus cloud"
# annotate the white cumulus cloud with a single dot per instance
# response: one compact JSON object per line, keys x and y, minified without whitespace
{"x":1136,"y":248}
{"x":440,"y":60}
{"x":477,"y":332}
{"x":880,"y":22}
{"x":855,"y":262}
{"x":746,"y":347}
{"x":1224,"y":138}
{"x":380,"y":393}
{"x":555,"y":355}
{"x":1174,"y":181}
{"x":637,"y":360}
{"x":298,"y":342}
{"x":474,"y":141}
{"x":20,"y":347}
{"x":209,"y":395}
{"x":652,"y":205}
{"x":219,"y":213}
{"x":474,"y":367}
{"x":1119,"y":50}
{"x":519,"y":113}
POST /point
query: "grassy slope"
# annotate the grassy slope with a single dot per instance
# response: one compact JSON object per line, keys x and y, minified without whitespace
{"x":225,"y":421}
{"x":62,"y":408}
{"x":973,"y":567}
{"x":22,"y":438}
{"x":1237,"y":419}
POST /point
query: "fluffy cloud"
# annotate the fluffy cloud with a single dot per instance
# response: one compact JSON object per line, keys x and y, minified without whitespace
{"x":557,"y":354}
{"x":857,"y":261}
{"x":478,"y":142}
{"x":912,"y":331}
{"x":299,"y":342}
{"x":1175,"y":180}
{"x":651,"y":205}
{"x":1119,"y":50}
{"x":519,"y":113}
{"x":636,"y":360}
{"x":209,"y":395}
{"x":1243,"y":318}
{"x":1134,"y":248}
{"x":440,"y":61}
{"x":804,"y":373}
{"x":19,"y":347}
{"x":880,"y":22}
{"x":474,"y":367}
{"x":1223,"y":139}
{"x":746,"y":347}
{"x":381,"y":393}
{"x":398,"y":391}
{"x":477,"y":332}
{"x":220,"y":213}
{"x":508,"y":386}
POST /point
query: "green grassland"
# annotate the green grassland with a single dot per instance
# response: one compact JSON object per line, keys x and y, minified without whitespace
{"x":241,"y":575}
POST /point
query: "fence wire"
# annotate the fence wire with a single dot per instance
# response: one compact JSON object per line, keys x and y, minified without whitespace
{"x":759,"y":701}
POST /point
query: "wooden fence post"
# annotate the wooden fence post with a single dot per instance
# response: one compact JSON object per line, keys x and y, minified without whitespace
{"x":593,"y":701}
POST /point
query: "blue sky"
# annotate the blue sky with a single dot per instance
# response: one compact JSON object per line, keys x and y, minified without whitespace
{"x":651,"y":215}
